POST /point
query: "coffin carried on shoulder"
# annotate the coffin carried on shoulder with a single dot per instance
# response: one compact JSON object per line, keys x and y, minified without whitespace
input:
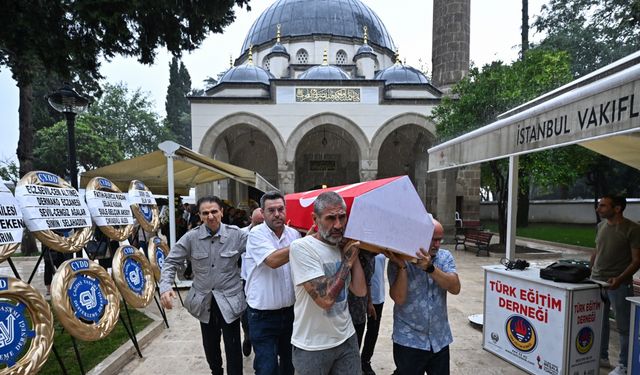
{"x":384,"y":214}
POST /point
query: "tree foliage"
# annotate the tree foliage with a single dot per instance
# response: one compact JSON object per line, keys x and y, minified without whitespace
{"x":128,"y":118}
{"x":9,"y":171}
{"x":69,"y":38}
{"x":121,"y":124}
{"x":92,"y":149}
{"x":593,"y":32}
{"x":485,"y":93}
{"x":178,"y":118}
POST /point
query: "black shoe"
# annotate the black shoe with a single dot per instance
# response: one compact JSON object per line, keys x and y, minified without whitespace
{"x":366,"y":369}
{"x":246,"y":347}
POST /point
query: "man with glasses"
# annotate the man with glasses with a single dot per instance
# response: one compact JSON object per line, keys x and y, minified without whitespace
{"x":269,"y":288}
{"x":216,"y":297}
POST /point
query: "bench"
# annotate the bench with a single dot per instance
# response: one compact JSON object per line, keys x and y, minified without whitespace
{"x":461,"y":230}
{"x":477,"y":238}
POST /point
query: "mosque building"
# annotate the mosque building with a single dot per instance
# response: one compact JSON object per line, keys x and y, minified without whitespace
{"x":318,"y":97}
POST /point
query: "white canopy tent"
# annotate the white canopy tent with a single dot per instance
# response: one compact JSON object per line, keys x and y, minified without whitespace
{"x":600,"y":111}
{"x":174,"y":169}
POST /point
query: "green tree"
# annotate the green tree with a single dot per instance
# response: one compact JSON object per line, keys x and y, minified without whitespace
{"x":595,"y":33}
{"x":478,"y":99}
{"x":9,"y":171}
{"x":93,"y":150}
{"x":69,"y":38}
{"x":121,"y":124}
{"x":178,"y":109}
{"x":128,"y":118}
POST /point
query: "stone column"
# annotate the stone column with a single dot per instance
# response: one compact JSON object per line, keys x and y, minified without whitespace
{"x":446,"y":206}
{"x":286,"y":178}
{"x":368,"y":170}
{"x":469,"y":178}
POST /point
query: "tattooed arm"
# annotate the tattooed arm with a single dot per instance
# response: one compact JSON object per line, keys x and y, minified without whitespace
{"x":325,"y":289}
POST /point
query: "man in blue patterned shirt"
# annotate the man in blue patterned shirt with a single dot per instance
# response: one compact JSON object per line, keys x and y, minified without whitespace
{"x":421,"y":332}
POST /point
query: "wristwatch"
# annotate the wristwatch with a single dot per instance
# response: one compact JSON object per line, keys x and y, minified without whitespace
{"x":430,"y":269}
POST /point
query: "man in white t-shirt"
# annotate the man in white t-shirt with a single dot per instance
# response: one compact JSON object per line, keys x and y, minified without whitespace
{"x":269,"y":288}
{"x":323,"y":267}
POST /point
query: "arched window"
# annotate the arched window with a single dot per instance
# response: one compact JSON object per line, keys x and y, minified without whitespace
{"x":341,"y":57}
{"x":302,"y":56}
{"x":265,"y":63}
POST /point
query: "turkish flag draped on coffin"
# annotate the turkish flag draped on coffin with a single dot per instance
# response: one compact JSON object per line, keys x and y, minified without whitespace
{"x":384,"y":214}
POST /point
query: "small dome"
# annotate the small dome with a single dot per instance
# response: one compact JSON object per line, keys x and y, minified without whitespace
{"x":324,"y":72}
{"x":246,"y":73}
{"x":401,"y":74}
{"x":365,"y":48}
{"x":278,"y":48}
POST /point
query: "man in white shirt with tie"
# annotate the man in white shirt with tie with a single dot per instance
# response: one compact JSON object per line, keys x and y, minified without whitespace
{"x":269,"y":288}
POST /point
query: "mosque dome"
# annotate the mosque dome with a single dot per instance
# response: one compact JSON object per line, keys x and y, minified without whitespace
{"x":324,"y":72}
{"x":344,"y":18}
{"x":401,"y":74}
{"x":247,"y":73}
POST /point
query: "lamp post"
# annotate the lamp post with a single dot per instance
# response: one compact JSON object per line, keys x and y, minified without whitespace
{"x":66,"y":100}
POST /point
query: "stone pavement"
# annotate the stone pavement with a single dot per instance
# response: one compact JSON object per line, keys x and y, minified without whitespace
{"x":179,"y":348}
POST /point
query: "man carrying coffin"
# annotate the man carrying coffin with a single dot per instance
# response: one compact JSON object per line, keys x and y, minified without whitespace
{"x":421,"y":332}
{"x":216,"y":297}
{"x":323,"y":267}
{"x":269,"y":288}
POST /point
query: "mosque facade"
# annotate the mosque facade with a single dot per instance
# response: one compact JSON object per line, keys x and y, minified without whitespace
{"x":318,"y":97}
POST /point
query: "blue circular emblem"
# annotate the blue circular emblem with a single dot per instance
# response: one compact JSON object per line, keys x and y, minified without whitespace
{"x":160,"y":258}
{"x":15,"y":332}
{"x":584,"y":340}
{"x":146,"y":211}
{"x":133,"y":275}
{"x":521,"y":333}
{"x":87,"y":299}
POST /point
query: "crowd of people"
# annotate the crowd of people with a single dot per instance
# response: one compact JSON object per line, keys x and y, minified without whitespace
{"x":305,"y":300}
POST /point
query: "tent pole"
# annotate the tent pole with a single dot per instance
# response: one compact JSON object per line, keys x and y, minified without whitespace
{"x":512,"y":208}
{"x":172,"y":206}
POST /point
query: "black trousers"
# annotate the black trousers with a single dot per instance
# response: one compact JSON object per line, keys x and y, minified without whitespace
{"x":370,"y":338}
{"x":211,"y":333}
{"x":52,"y":260}
{"x":411,"y":361}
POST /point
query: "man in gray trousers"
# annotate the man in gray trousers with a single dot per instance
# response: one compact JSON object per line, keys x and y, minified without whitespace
{"x":214,"y":249}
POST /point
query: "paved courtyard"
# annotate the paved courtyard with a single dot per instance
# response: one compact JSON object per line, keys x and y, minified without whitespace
{"x":179,"y":349}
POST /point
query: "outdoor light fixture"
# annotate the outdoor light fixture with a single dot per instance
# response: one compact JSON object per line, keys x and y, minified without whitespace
{"x":66,"y":100}
{"x":324,"y":138}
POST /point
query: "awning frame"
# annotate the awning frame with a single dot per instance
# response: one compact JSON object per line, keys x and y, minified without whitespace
{"x":622,"y":75}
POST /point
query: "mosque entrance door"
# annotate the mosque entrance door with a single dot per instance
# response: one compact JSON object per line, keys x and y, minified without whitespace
{"x":245,"y":146}
{"x":326,"y":156}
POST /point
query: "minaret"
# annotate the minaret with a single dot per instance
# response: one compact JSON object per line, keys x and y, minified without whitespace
{"x":451,"y":29}
{"x":450,"y":60}
{"x":365,"y":58}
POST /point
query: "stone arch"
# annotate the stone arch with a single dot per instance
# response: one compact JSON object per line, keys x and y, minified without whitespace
{"x":326,"y":118}
{"x":399,"y":148}
{"x":208,"y":143}
{"x":393,"y":124}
